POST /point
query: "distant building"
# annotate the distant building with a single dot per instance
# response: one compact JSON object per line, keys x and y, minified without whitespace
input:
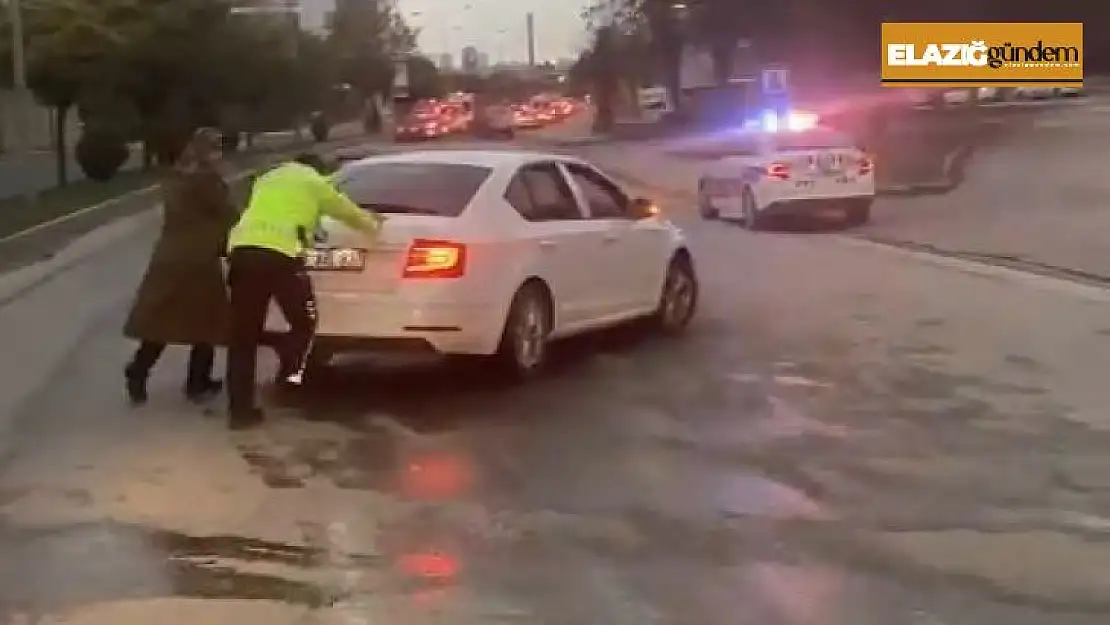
{"x":446,"y":62}
{"x":470,"y":60}
{"x":483,"y":61}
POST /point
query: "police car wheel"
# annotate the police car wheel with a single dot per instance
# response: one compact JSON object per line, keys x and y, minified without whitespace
{"x":522,"y":352}
{"x":750,"y":217}
{"x":705,"y":209}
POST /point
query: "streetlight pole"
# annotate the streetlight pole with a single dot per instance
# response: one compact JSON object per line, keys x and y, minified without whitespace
{"x":19,"y":63}
{"x":20,"y":138}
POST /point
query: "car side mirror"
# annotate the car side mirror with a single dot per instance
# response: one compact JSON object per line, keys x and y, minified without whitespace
{"x":642,"y":208}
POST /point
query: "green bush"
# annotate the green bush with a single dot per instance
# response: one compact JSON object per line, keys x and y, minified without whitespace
{"x":101,"y":152}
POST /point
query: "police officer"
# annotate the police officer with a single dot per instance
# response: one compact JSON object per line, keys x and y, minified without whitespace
{"x":266,"y":260}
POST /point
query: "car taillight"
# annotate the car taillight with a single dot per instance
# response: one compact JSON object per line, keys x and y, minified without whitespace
{"x":435,"y":259}
{"x":778,"y":171}
{"x":866,"y":165}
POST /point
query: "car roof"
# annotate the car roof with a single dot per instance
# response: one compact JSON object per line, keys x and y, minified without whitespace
{"x":495,"y":159}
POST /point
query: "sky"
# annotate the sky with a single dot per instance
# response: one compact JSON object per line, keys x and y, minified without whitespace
{"x":495,"y":27}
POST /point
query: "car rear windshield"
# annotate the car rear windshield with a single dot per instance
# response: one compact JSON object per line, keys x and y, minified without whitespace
{"x":820,"y":140}
{"x":442,"y":189}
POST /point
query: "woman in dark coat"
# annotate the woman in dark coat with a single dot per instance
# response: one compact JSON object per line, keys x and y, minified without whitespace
{"x":182,"y":299}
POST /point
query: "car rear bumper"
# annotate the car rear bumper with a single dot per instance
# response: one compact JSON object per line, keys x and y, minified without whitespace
{"x":788,"y":192}
{"x":367,"y":322}
{"x":813,"y":206}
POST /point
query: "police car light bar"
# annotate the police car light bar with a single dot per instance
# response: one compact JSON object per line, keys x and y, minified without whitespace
{"x":794,"y":121}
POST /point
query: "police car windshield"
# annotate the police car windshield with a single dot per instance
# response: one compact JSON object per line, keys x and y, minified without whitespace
{"x":442,"y":189}
{"x":810,"y":140}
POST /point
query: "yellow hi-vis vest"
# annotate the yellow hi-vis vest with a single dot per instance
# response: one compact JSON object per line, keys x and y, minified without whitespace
{"x":286,"y":205}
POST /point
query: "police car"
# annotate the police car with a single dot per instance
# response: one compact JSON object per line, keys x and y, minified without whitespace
{"x":803,"y":169}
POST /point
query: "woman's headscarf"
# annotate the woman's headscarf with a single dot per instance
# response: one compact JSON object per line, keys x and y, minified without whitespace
{"x":201,"y":152}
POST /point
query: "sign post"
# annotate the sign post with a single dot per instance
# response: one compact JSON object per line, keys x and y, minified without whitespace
{"x":401,"y":78}
{"x":775,"y":88}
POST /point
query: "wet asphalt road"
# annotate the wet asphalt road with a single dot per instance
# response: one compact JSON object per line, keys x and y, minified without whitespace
{"x":847,"y":436}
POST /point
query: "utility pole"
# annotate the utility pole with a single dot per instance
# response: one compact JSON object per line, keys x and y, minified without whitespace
{"x":19,"y":119}
{"x":530,"y":24}
{"x":19,"y":65}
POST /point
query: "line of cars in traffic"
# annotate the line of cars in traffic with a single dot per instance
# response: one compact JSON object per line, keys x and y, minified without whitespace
{"x":434,"y":119}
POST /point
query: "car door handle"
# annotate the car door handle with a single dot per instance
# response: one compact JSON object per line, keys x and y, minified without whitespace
{"x":547,"y":245}
{"x":610,"y":238}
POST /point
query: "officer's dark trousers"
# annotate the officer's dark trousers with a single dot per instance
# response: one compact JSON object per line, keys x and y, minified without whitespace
{"x":255,"y":276}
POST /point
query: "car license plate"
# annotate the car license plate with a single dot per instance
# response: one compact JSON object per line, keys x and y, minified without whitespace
{"x":335,"y":259}
{"x":804,"y":184}
{"x":845,"y":179}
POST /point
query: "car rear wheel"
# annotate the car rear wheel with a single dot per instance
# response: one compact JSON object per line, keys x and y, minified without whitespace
{"x":679,"y":299}
{"x":705,"y":207}
{"x":522,"y":352}
{"x":750,"y":219}
{"x":858,"y":212}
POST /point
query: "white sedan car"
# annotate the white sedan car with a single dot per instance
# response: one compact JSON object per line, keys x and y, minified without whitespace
{"x":815,"y":172}
{"x":493,"y":253}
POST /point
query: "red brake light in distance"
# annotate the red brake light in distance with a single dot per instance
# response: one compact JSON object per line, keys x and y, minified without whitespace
{"x":435,"y":259}
{"x":778,"y":171}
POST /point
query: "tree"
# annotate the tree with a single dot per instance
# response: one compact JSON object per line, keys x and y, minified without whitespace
{"x":365,"y":36}
{"x":73,"y":45}
{"x":424,"y":78}
{"x":182,"y":67}
{"x":603,"y":69}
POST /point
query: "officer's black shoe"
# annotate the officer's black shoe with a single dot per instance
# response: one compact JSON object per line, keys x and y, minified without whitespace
{"x":202,"y":391}
{"x":245,"y":419}
{"x":136,"y":387}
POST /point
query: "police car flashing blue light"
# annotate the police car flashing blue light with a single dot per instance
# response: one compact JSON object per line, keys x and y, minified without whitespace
{"x":794,"y":121}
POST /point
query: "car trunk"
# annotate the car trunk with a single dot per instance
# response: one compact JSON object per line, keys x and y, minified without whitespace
{"x":384,"y":260}
{"x":822,"y":169}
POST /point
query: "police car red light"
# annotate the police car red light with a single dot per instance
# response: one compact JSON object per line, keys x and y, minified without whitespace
{"x":778,"y":171}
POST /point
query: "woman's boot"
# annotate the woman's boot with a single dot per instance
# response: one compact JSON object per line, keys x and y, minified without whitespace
{"x":138,"y":370}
